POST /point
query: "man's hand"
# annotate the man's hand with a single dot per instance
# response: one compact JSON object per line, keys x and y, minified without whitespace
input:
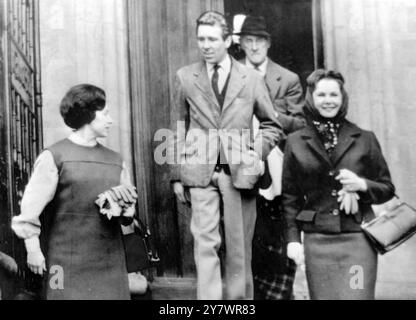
{"x":350,"y":181}
{"x":36,"y":262}
{"x":179,"y":191}
{"x":255,"y":163}
{"x":295,"y":252}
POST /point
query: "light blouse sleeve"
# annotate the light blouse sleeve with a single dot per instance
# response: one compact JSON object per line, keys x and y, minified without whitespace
{"x":38,"y":193}
{"x":125,"y":179}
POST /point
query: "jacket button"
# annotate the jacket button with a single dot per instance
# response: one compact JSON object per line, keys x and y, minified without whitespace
{"x":334,"y":193}
{"x":331,"y":173}
{"x":335,"y":212}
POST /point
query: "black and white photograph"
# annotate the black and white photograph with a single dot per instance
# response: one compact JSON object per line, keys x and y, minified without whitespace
{"x":214,"y":151}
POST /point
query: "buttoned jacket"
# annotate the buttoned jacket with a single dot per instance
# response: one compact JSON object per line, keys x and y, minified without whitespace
{"x":310,"y":190}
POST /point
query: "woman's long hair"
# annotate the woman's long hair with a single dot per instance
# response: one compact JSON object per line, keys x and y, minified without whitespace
{"x":310,"y":110}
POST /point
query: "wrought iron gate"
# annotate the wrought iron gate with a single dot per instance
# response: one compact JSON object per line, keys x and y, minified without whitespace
{"x":20,"y":111}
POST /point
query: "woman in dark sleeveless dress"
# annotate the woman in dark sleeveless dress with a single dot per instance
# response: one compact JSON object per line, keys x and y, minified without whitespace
{"x":84,"y":250}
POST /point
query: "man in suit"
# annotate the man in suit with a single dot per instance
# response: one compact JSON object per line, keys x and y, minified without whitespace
{"x":273,"y":272}
{"x":218,"y":161}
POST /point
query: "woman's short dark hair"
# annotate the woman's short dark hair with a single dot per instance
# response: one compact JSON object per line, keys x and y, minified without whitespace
{"x":80,"y":103}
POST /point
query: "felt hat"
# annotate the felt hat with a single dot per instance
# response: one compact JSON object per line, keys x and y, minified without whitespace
{"x":254,"y":26}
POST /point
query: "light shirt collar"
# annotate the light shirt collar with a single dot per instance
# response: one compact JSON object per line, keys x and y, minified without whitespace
{"x":225,"y":66}
{"x":261,"y":68}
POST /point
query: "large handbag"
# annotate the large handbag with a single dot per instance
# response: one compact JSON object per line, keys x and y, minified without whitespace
{"x":140,"y":253}
{"x":392,"y":228}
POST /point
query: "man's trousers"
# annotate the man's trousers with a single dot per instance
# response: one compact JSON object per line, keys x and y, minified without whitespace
{"x":239,"y":214}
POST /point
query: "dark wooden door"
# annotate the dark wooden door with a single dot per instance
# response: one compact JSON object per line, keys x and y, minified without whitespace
{"x":295,"y":29}
{"x":161,"y":40}
{"x":20,"y":113}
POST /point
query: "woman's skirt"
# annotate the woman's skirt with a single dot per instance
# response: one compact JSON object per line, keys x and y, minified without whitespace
{"x":340,"y":266}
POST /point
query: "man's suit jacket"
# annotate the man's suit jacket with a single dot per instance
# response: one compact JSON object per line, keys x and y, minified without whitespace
{"x":287,"y":95}
{"x":208,"y":127}
{"x":309,"y":186}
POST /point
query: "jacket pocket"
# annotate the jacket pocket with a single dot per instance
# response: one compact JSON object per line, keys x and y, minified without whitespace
{"x":306,"y":216}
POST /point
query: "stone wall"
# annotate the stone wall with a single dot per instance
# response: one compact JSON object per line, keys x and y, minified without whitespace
{"x":373,"y":43}
{"x":85,"y":42}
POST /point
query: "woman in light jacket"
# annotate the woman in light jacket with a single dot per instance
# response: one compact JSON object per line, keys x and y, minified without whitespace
{"x":333,"y":172}
{"x":83,"y":254}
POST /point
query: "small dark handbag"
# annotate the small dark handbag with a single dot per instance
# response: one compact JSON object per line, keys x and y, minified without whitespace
{"x":140,"y":254}
{"x":391,"y":228}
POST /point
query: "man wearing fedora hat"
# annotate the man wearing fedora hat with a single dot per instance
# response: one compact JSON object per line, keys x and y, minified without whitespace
{"x":273,"y":272}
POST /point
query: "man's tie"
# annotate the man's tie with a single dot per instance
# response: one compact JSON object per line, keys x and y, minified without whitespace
{"x":257,"y":68}
{"x":222,"y":160}
{"x":214,"y":83}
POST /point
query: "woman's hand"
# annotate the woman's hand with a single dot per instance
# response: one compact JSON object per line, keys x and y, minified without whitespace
{"x":350,"y":181}
{"x":295,"y":252}
{"x":36,"y":262}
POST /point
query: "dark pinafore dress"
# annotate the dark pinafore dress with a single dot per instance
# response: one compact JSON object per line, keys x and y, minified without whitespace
{"x":81,"y":243}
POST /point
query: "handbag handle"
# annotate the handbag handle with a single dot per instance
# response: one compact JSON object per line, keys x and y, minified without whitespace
{"x":398,"y":198}
{"x":404,"y":202}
